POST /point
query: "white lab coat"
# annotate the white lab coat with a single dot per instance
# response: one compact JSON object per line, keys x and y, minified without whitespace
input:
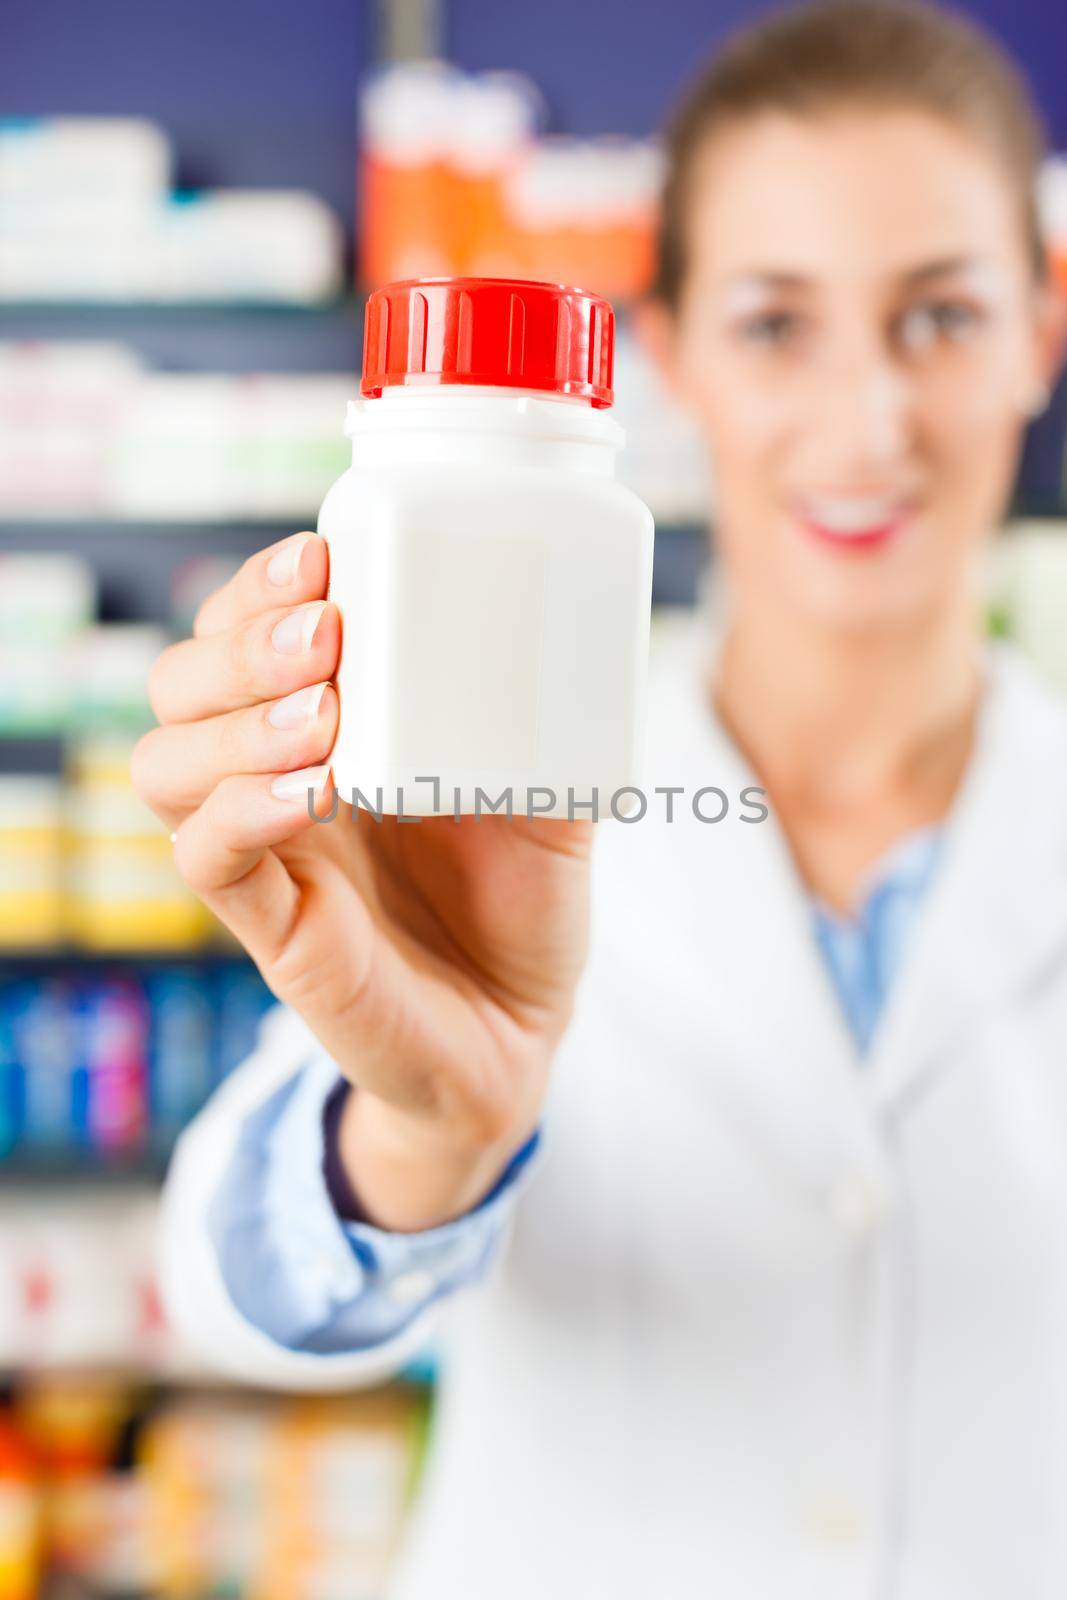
{"x":771,"y":1323}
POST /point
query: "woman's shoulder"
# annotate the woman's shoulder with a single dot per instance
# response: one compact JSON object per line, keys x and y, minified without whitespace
{"x":1013,"y":811}
{"x":1026,"y":705}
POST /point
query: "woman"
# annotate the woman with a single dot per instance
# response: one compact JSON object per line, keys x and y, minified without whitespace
{"x":783,"y":1309}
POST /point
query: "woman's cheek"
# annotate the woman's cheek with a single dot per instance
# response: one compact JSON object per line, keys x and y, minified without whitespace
{"x":977,"y":440}
{"x":749,"y":426}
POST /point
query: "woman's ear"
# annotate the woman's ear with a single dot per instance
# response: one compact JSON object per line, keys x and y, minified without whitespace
{"x":1050,"y":352}
{"x":654,"y":326}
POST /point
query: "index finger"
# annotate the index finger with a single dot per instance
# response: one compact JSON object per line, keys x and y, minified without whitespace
{"x":293,"y":570}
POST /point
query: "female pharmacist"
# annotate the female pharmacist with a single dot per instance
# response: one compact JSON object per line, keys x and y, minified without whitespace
{"x":779,"y":1309}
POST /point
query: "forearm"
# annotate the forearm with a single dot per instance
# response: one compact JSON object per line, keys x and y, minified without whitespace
{"x":407,"y":1176}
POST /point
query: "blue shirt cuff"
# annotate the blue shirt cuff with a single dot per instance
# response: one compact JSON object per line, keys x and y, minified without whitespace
{"x":308,"y":1277}
{"x":445,"y":1249}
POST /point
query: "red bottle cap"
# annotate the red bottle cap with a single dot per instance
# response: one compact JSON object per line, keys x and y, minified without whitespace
{"x":503,"y":332}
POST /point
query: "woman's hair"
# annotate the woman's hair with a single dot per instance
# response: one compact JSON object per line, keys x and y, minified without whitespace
{"x":839,"y":54}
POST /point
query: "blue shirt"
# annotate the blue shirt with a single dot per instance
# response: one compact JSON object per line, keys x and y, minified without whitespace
{"x":273,"y":1220}
{"x":863,"y":953}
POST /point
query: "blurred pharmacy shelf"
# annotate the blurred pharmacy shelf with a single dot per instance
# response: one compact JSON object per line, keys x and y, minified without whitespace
{"x":134,"y":416}
{"x":31,"y":753}
{"x":117,"y":1488}
{"x":104,"y":1057}
{"x":63,"y":1173}
{"x":193,"y":336}
{"x":135,"y":562}
{"x":58,"y":958}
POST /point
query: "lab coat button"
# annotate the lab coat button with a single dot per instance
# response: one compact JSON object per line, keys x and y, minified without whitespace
{"x":857,"y":1203}
{"x":834,"y":1520}
{"x":410,"y":1287}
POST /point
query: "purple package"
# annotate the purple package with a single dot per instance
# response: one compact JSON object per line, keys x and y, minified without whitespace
{"x":116,"y":1049}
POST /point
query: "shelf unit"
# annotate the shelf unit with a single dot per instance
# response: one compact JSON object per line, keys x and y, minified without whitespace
{"x":242,"y":336}
{"x":134,"y":560}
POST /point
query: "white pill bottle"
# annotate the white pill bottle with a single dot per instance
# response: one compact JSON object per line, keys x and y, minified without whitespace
{"x":494,"y":581}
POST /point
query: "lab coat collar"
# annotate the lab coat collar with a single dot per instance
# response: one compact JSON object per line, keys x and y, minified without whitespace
{"x":731,"y":928}
{"x":995,"y":913}
{"x":735,"y":922}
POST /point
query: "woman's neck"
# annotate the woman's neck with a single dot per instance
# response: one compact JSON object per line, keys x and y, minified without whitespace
{"x":857,"y":738}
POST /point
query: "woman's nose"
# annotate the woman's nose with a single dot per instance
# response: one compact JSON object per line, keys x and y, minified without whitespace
{"x":865,"y":405}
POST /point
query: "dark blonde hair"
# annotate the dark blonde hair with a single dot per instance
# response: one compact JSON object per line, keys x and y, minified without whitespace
{"x":834,"y":54}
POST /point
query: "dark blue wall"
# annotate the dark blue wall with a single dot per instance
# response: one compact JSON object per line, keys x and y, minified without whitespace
{"x":614,"y":64}
{"x":253,"y":91}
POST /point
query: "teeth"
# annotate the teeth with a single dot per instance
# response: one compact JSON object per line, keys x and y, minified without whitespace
{"x":846,"y":516}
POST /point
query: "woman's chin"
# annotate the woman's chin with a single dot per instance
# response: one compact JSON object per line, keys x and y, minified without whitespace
{"x":880,"y":585}
{"x":856,"y":606}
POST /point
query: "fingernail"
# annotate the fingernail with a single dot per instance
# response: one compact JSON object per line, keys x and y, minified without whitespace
{"x":297,"y":709}
{"x":295,"y":785}
{"x":294,"y":633}
{"x":284,"y":563}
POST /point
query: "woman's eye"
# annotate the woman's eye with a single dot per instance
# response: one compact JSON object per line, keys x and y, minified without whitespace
{"x":922,"y":324}
{"x":771,"y":327}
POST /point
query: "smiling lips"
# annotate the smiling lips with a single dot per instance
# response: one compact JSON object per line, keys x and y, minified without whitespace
{"x":855,"y":523}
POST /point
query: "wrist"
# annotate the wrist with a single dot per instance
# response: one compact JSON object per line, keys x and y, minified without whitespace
{"x":409,"y":1174}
